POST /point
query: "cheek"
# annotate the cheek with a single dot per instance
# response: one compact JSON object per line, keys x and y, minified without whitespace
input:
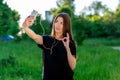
{"x":55,"y":25}
{"x":59,"y":27}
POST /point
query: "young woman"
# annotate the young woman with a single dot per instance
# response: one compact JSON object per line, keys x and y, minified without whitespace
{"x":59,"y":50}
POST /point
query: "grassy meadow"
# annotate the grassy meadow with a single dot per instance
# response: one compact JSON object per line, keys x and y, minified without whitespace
{"x":96,"y":60}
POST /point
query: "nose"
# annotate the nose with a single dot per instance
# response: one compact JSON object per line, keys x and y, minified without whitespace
{"x":58,"y":24}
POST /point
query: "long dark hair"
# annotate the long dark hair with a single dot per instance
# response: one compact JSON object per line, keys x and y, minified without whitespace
{"x":66,"y":25}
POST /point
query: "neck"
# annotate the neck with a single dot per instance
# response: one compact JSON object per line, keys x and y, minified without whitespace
{"x":58,"y":36}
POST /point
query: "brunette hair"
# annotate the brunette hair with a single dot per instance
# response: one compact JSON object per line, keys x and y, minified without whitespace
{"x":66,"y":25}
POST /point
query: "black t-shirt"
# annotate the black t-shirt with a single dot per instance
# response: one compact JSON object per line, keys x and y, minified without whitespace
{"x":55,"y":60}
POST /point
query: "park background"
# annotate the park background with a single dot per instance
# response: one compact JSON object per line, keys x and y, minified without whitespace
{"x":96,"y":31}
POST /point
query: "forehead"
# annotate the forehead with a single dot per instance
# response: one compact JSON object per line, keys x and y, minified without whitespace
{"x":59,"y":18}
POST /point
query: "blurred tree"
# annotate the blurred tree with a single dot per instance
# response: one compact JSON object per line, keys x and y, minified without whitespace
{"x":80,"y":27}
{"x":65,"y":9}
{"x":4,"y":18}
{"x":108,"y":20}
{"x":14,"y":26}
{"x":66,"y":2}
{"x":67,"y":5}
{"x":8,"y":20}
{"x":102,"y":25}
{"x":97,"y":8}
{"x":117,"y":21}
{"x":41,"y":26}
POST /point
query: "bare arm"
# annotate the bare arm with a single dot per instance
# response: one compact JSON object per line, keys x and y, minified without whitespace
{"x":71,"y":58}
{"x":28,"y":22}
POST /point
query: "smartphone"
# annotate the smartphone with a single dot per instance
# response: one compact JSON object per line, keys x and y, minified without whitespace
{"x":34,"y":13}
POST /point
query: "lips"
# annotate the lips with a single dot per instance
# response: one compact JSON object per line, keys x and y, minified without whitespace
{"x":57,"y":28}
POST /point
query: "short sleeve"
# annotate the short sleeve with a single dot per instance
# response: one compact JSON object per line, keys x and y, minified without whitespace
{"x":73,"y":48}
{"x":47,"y":42}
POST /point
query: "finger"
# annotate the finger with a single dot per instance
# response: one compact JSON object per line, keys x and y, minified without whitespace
{"x":68,"y":35}
{"x":64,"y":39}
{"x":30,"y":18}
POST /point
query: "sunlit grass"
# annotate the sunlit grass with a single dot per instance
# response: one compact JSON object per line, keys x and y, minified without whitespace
{"x":27,"y":61}
{"x":96,"y":60}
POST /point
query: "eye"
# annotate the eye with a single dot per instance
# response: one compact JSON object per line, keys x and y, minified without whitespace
{"x":56,"y":21}
{"x":61,"y":23}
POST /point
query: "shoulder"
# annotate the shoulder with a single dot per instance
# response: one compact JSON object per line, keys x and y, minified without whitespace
{"x":72,"y":42}
{"x":47,"y":41}
{"x":48,"y":37}
{"x":73,"y":47}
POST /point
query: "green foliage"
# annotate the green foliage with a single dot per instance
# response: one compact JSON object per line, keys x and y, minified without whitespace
{"x":8,"y":20}
{"x":96,"y":7}
{"x":41,"y":27}
{"x":4,"y":18}
{"x":107,"y":25}
{"x":116,"y":22}
{"x":103,"y":26}
{"x":81,"y":29}
{"x":66,"y":9}
{"x":69,"y":3}
{"x":64,"y":6}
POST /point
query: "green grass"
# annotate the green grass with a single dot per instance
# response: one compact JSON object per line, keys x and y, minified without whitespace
{"x":96,"y":60}
{"x":26,"y":62}
{"x":102,"y":41}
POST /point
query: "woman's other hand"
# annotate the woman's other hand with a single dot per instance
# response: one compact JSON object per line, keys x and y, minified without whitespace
{"x":65,"y":41}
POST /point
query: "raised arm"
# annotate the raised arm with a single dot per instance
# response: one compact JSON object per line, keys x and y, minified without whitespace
{"x":26,"y":24}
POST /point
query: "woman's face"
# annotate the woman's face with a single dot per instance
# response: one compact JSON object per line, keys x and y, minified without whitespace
{"x":59,"y":25}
